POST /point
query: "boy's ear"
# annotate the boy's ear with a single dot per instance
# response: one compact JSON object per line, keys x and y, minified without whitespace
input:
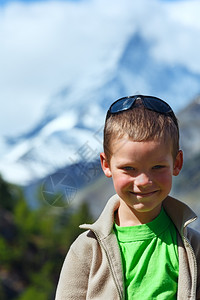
{"x":105,"y":165}
{"x":178,"y":163}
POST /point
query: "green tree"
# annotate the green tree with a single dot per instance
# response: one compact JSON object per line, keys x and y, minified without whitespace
{"x":33,"y":244}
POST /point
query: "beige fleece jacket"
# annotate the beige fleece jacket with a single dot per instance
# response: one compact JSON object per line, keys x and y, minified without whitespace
{"x":93,"y":269}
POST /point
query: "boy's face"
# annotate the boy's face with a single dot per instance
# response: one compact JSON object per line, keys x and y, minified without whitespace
{"x":142,"y":173}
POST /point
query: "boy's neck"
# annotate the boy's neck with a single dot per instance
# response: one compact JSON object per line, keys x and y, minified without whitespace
{"x":127,"y":216}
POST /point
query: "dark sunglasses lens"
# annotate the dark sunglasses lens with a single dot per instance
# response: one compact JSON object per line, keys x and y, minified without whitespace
{"x":157,"y":105}
{"x":121,"y":105}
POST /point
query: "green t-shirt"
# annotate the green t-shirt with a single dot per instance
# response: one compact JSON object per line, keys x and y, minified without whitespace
{"x":150,"y":259}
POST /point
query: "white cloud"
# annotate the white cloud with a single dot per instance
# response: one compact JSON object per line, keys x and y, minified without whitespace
{"x":175,"y":30}
{"x":47,"y":45}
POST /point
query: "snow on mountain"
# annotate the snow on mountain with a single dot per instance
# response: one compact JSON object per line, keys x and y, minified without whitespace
{"x":71,"y":127}
{"x":139,"y":72}
{"x":53,"y":146}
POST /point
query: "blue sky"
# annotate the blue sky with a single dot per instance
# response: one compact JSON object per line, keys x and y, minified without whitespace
{"x":29,"y":1}
{"x":48,"y":45}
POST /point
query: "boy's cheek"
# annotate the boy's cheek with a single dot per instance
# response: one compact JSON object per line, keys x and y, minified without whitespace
{"x":121,"y":181}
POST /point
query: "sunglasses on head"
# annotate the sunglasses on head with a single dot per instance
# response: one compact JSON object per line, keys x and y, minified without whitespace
{"x":150,"y":102}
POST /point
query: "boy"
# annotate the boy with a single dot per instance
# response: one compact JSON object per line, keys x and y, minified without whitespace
{"x":139,"y":248}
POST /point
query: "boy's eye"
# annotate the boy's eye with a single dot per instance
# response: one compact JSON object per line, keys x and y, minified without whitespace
{"x":157,"y":167}
{"x":128,"y":168}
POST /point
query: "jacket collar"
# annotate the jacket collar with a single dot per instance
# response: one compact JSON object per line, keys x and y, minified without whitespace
{"x":104,"y":224}
{"x":180,"y":213}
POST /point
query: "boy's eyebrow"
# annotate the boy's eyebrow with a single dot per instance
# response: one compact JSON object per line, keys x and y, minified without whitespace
{"x":132,"y":161}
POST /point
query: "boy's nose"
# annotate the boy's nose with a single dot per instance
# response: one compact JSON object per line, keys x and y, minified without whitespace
{"x":143,"y":180}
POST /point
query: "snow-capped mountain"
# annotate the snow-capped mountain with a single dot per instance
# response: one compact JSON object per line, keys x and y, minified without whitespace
{"x":70,"y":131}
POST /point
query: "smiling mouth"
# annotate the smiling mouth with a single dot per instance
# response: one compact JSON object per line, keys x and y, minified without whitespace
{"x":144,"y":194}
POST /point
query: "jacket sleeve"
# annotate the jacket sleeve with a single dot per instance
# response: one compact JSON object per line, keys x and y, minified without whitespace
{"x":73,"y":281}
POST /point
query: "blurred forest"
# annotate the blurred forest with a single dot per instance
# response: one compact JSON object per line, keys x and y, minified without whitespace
{"x":33,"y":244}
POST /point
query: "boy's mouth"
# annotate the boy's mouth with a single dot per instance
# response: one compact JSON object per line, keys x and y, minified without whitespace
{"x":146,"y":194}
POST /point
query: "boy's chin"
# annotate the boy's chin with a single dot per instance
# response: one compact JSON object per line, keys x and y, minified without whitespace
{"x":141,"y":205}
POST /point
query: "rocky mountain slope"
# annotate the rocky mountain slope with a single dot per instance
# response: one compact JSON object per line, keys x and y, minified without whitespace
{"x":187,"y":184}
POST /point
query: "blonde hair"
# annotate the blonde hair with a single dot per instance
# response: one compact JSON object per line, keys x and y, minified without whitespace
{"x":141,"y":124}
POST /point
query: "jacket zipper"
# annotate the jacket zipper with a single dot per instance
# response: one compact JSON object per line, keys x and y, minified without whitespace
{"x":193,"y":254}
{"x":112,"y":272}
